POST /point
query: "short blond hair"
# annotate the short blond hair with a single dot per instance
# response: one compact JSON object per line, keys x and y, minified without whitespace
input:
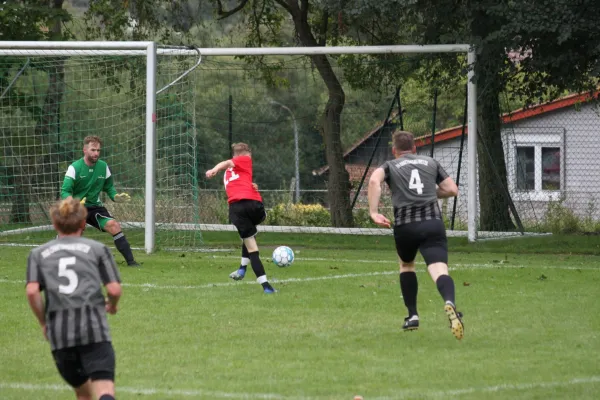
{"x":403,"y":140}
{"x":92,"y":139}
{"x":68,"y":215}
{"x":240,"y":148}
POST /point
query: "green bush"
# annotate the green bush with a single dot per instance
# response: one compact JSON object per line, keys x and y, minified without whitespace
{"x":289,"y":214}
{"x":561,"y":219}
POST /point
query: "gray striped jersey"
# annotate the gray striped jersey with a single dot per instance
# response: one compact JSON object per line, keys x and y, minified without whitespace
{"x":72,"y":271}
{"x":412,"y":180}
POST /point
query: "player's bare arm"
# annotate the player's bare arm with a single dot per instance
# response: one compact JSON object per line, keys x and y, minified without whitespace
{"x":447,"y":188}
{"x":113,"y":292}
{"x":34,"y":297}
{"x":374,"y":194}
{"x":223,"y":165}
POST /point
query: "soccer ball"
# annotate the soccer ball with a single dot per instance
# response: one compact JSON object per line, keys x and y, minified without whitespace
{"x":283,"y":256}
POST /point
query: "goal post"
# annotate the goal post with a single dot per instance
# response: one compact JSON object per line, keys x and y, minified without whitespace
{"x":469,"y":50}
{"x":127,"y":111}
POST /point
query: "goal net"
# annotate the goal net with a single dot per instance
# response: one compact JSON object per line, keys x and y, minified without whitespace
{"x":51,"y":99}
{"x":317,"y":134}
{"x":280,"y":104}
{"x":509,"y":185}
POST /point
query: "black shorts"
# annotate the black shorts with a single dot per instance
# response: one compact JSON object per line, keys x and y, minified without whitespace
{"x":427,"y":236}
{"x":97,"y":217}
{"x":246,"y":215}
{"x":78,"y":364}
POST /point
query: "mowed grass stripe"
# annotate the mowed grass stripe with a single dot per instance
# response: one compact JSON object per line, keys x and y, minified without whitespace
{"x":402,"y":393}
{"x":458,"y":267}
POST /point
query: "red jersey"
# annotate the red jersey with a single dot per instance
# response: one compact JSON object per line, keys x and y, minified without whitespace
{"x":238,"y":181}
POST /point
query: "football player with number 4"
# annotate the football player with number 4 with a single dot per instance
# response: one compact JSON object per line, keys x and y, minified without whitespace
{"x":246,"y":210}
{"x":71,"y":270}
{"x":416,"y":183}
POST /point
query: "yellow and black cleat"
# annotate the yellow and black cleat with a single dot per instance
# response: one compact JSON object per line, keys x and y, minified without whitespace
{"x":456,"y":325}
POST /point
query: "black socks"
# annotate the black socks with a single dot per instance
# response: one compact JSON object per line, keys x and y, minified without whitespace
{"x":245,"y":257}
{"x":445,"y":286}
{"x":409,"y":287}
{"x":123,"y":246}
{"x":259,"y":269}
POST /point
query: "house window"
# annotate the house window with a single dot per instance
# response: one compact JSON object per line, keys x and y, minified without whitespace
{"x":525,"y":168}
{"x":551,"y":168}
{"x":535,"y":164}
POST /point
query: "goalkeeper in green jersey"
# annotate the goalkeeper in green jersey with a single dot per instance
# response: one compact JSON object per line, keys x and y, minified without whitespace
{"x":85,"y":179}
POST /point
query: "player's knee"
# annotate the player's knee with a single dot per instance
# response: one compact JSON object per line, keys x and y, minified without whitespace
{"x":407,"y":266}
{"x":83,"y":394}
{"x":112,"y":226}
{"x":437,"y":269}
{"x":251,"y":244}
{"x":104,"y":388}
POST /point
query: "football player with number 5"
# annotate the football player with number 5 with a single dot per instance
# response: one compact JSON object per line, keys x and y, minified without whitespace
{"x":71,"y":271}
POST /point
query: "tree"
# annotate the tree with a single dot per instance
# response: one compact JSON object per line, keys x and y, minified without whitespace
{"x":32,"y":20}
{"x":558,"y":40}
{"x":311,"y":26}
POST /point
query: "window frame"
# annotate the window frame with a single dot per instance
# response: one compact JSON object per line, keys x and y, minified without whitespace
{"x":538,"y":139}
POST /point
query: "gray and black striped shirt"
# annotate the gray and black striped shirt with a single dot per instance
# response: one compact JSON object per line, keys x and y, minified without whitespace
{"x":412,"y":180}
{"x":71,"y":271}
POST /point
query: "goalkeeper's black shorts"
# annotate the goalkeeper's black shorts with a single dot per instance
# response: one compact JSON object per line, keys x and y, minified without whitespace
{"x":246,"y":215}
{"x":428,"y":237}
{"x":97,"y":217}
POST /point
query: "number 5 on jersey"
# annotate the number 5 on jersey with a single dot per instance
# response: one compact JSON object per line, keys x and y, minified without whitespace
{"x":415,"y":181}
{"x":64,"y":271}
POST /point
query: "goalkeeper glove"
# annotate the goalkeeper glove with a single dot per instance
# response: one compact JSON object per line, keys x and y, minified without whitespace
{"x":122,"y":198}
{"x":82,"y":201}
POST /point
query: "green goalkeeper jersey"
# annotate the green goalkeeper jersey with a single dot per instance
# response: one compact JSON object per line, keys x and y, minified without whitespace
{"x":81,"y":181}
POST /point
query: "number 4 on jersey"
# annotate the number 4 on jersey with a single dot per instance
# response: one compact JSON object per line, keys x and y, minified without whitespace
{"x":415,"y":181}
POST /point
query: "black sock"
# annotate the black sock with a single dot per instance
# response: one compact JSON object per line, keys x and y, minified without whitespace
{"x":445,"y":286}
{"x":244,"y":255}
{"x":409,"y":287}
{"x":106,"y":397}
{"x":257,"y":267}
{"x":123,"y":246}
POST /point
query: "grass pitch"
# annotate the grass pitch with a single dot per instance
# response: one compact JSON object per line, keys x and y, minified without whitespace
{"x":185,"y":331}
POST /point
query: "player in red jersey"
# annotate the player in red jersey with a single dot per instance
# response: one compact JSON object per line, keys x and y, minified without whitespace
{"x":246,"y":209}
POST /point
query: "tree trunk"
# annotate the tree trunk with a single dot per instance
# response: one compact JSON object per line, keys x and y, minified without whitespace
{"x":48,"y":127}
{"x":338,"y":184}
{"x":19,"y":212}
{"x":493,"y":185}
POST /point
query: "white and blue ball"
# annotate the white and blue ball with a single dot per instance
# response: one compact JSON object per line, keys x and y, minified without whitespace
{"x":283,"y":256}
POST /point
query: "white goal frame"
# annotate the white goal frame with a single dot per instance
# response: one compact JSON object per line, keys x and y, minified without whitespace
{"x":150,"y":50}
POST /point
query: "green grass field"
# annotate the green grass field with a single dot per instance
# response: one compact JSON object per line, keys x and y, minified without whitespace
{"x":185,"y":331}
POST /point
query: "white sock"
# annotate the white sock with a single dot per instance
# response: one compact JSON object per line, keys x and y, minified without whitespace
{"x":245,"y":262}
{"x":261,"y":279}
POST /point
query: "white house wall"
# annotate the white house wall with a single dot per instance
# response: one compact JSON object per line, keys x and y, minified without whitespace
{"x":580,"y":149}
